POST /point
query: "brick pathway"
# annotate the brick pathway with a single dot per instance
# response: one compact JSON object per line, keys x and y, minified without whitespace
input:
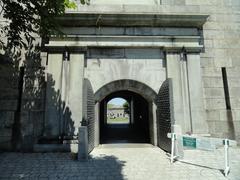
{"x":119,"y":162}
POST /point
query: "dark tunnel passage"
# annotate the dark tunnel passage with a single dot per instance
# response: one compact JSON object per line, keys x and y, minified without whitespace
{"x":136,"y":131}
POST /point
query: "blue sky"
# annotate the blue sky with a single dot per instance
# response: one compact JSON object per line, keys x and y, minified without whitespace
{"x":117,"y":101}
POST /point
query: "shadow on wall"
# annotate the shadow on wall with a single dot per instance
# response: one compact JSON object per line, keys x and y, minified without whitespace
{"x":57,"y":123}
{"x":102,"y":167}
{"x":28,"y":118}
{"x":9,"y":79}
{"x":231,"y":129}
{"x":22,"y":103}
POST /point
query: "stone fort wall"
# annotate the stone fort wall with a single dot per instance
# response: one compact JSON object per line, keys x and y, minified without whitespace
{"x":221,"y":35}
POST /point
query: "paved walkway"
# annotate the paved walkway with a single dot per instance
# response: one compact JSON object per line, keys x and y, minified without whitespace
{"x":117,"y":162}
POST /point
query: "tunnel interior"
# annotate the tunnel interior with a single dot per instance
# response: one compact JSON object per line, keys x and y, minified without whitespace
{"x":136,"y":130}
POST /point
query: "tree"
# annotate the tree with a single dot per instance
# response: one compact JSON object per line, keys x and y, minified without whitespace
{"x":110,"y":105}
{"x":126,"y":107}
{"x":28,"y":18}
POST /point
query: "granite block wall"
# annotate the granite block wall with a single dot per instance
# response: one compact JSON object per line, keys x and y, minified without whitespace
{"x":8,"y":101}
{"x":221,"y":35}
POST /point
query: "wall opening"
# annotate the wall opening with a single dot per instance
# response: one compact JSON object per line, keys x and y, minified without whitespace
{"x":118,"y":111}
{"x":142,"y":109}
{"x":132,"y":129}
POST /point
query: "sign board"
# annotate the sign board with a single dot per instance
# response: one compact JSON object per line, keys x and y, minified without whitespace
{"x":198,"y":143}
{"x":189,"y":142}
{"x":180,"y":141}
{"x":206,"y":144}
{"x":202,"y":143}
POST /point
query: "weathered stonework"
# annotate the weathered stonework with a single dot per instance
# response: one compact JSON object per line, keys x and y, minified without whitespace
{"x":190,"y":41}
{"x":8,"y":102}
{"x":220,"y":37}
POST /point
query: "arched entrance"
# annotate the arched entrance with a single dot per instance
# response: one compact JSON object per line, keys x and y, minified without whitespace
{"x":142,"y":127}
{"x":136,"y":130}
{"x":151,"y":114}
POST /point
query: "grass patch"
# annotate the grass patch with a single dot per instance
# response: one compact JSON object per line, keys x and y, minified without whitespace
{"x":118,"y":120}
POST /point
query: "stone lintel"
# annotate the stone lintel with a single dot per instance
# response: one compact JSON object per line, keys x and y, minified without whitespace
{"x":169,"y":43}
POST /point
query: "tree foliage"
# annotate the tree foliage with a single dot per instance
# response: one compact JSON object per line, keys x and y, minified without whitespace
{"x":28,"y":18}
{"x":110,"y":105}
{"x":126,"y":107}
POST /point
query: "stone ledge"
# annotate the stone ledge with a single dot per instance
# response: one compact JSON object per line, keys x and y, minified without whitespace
{"x":136,"y":9}
{"x":191,"y":43}
{"x":130,"y":20}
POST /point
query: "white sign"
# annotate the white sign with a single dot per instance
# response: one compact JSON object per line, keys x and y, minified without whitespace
{"x":205,"y":144}
{"x":202,"y":143}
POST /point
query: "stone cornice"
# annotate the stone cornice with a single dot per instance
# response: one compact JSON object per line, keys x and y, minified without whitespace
{"x":169,"y":43}
{"x":129,"y":20}
{"x":109,"y":8}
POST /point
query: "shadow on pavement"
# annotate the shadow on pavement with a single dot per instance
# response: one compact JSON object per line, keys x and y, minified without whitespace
{"x":58,"y":166}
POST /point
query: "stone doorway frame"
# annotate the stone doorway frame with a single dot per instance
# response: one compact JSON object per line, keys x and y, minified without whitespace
{"x":134,"y":86}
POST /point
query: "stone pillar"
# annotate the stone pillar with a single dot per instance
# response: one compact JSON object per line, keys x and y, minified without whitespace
{"x":97,"y":124}
{"x":177,"y":71}
{"x":105,"y":112}
{"x":75,"y":93}
{"x":199,"y":123}
{"x":154,"y":118}
{"x":82,"y":143}
{"x":132,"y":111}
{"x":185,"y":94}
{"x":65,"y":114}
{"x":53,"y":97}
{"x":173,"y":71}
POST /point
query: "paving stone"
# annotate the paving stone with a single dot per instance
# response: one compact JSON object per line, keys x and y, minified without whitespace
{"x":119,"y":164}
